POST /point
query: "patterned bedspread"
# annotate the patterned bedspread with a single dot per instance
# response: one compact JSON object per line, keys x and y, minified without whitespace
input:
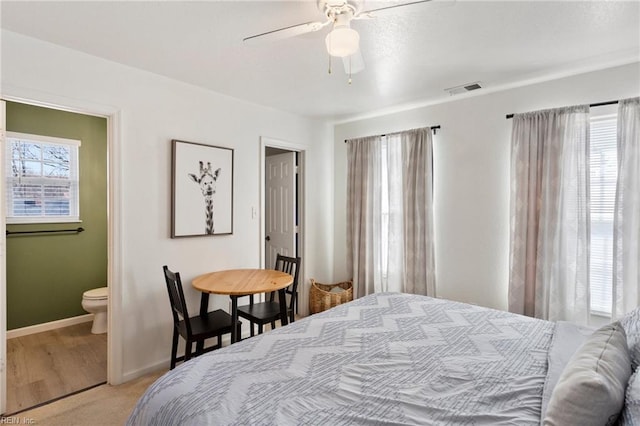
{"x":383,"y":359}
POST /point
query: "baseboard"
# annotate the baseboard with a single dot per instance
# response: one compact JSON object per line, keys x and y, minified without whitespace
{"x":47,"y":326}
{"x":132,"y":375}
{"x":164,"y":364}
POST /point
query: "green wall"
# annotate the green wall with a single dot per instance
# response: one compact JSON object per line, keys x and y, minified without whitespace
{"x":47,"y":274}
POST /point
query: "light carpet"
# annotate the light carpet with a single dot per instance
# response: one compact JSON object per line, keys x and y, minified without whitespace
{"x":102,"y":405}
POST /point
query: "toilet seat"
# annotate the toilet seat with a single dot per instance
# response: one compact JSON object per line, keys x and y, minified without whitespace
{"x":96,"y":294}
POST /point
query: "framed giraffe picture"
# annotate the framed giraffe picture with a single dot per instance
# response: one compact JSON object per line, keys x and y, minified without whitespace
{"x":202,"y":190}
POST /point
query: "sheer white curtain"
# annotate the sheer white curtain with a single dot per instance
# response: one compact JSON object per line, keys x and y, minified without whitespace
{"x":626,"y":231}
{"x":549,"y":257}
{"x":390,"y":213}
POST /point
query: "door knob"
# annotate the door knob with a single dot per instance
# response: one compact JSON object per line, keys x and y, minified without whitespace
{"x":268,"y":238}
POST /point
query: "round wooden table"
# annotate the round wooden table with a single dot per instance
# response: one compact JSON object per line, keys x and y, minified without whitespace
{"x":242,"y":282}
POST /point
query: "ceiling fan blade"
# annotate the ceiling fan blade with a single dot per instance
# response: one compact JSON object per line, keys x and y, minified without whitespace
{"x":372,"y":12}
{"x":353,"y":64}
{"x":286,"y":32}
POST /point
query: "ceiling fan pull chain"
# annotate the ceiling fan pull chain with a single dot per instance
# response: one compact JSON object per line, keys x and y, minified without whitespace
{"x":349,"y":70}
{"x":329,"y":64}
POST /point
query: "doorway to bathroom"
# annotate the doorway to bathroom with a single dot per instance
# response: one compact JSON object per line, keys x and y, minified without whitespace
{"x":56,"y":250}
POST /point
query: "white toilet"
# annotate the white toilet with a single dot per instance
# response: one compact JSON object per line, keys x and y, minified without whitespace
{"x":95,"y":302}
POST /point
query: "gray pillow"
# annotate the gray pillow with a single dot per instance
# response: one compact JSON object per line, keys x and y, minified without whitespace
{"x":631,"y":324}
{"x":591,"y":388}
{"x":631,"y":412}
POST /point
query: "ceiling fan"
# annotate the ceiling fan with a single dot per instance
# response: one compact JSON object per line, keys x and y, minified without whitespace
{"x":342,"y":41}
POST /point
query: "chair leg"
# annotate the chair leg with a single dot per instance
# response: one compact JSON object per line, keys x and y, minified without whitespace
{"x":239,"y":333}
{"x":294,"y":307}
{"x":174,"y":349}
{"x":259,"y":328}
{"x":187,"y":350}
{"x":273,"y":325}
{"x":251,"y":326}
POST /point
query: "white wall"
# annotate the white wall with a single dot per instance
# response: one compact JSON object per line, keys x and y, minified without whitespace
{"x":154,"y":110}
{"x":471,"y":156}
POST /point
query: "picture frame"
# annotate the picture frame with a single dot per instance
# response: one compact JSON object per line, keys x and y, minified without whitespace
{"x":201,"y":189}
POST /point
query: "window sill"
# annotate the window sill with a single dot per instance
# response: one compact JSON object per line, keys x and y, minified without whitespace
{"x":38,"y":220}
{"x":599,"y":319}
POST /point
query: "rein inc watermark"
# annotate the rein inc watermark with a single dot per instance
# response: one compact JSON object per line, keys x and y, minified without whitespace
{"x":17,"y":420}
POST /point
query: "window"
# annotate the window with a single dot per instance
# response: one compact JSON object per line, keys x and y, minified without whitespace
{"x":391,"y":206}
{"x":42,"y":179}
{"x":603,"y":159}
{"x":384,"y":210}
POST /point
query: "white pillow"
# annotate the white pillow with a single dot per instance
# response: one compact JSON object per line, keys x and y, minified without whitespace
{"x":631,"y":324}
{"x":631,"y":412}
{"x":591,"y":388}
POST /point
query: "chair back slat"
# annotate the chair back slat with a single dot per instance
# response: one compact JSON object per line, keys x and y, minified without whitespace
{"x":176,"y":298}
{"x":291,"y":266}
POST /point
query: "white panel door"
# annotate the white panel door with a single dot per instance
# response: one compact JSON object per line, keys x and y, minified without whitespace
{"x":280,"y":207}
{"x":3,"y":270}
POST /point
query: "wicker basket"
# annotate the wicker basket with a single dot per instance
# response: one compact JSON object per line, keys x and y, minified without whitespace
{"x":321,"y":298}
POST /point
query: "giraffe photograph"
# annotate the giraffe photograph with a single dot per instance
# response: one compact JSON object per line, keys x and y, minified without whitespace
{"x":202,"y":190}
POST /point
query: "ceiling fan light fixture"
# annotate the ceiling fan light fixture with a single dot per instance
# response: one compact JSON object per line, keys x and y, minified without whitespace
{"x":342,"y":41}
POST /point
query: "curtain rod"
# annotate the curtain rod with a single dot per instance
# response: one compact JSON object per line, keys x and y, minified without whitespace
{"x":591,"y":105}
{"x":433,"y":129}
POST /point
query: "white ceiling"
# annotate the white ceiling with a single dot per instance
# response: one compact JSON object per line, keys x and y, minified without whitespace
{"x":411,"y":53}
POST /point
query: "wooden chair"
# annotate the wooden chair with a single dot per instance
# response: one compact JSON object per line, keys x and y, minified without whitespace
{"x":269,"y":311}
{"x":194,"y":329}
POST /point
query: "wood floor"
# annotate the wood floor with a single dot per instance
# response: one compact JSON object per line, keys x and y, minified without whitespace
{"x":46,"y":366}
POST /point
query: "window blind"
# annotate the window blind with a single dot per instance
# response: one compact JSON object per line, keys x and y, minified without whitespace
{"x":603,"y":161}
{"x":42,"y":179}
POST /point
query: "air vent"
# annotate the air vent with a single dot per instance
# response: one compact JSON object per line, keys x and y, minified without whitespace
{"x":464,"y":88}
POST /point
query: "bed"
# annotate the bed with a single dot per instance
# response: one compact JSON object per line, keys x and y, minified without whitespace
{"x":387,"y":358}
